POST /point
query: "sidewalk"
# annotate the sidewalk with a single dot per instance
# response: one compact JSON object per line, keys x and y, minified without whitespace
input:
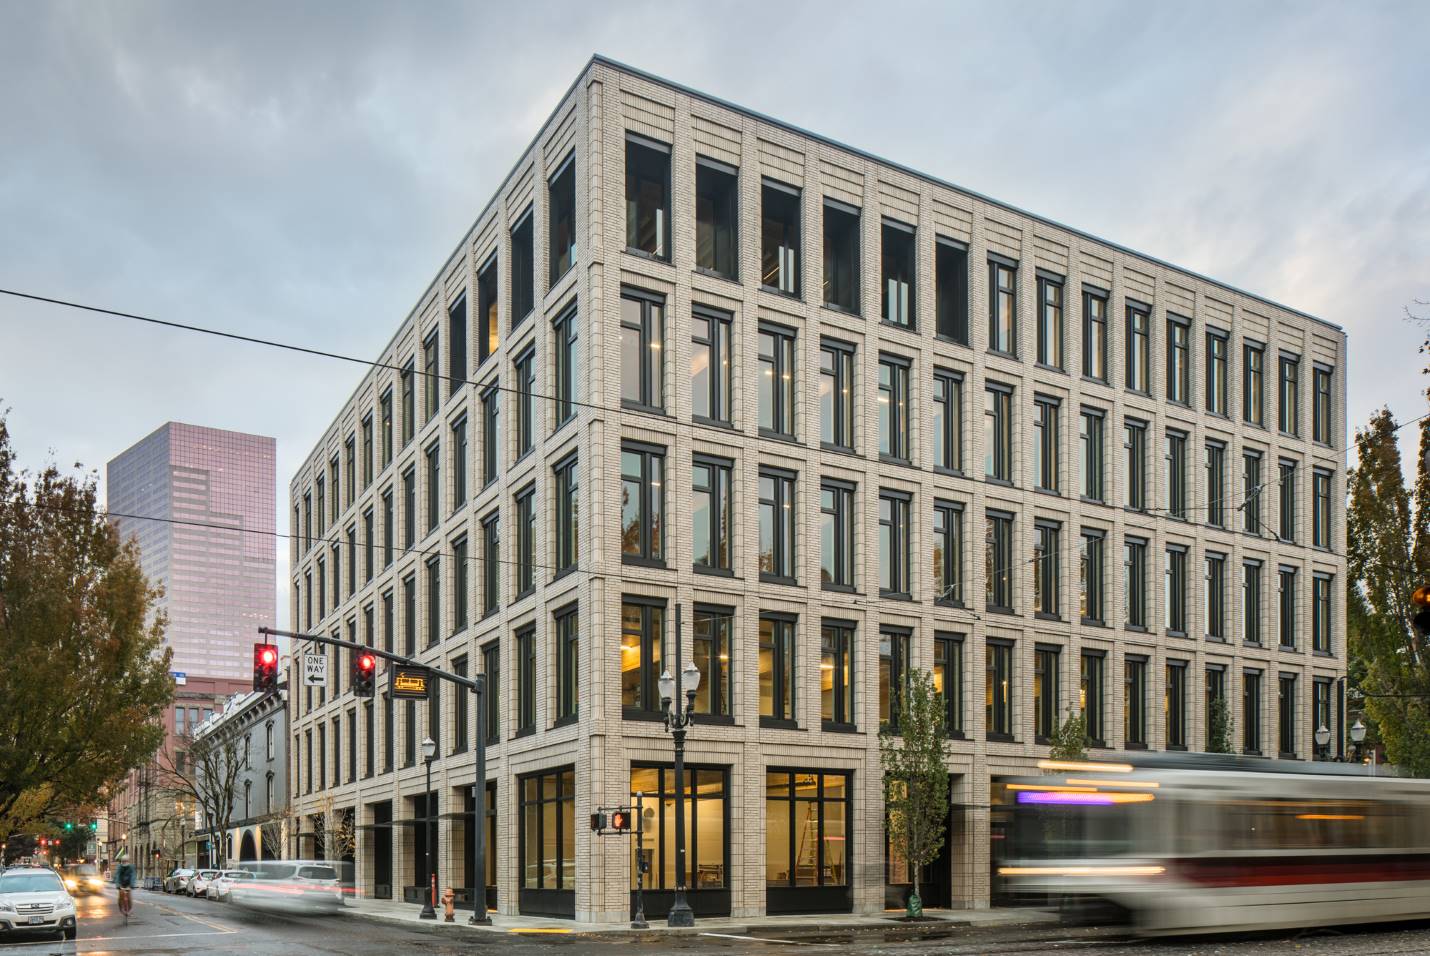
{"x":775,"y":927}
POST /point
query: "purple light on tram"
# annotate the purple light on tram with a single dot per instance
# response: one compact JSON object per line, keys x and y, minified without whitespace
{"x":1085,"y":799}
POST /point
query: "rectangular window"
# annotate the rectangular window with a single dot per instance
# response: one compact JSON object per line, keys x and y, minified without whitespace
{"x":368,"y":532}
{"x":1251,"y":492}
{"x":1176,"y":596}
{"x":1045,"y":693}
{"x":525,"y":541}
{"x":367,"y":452}
{"x":1286,"y":607}
{"x":893,"y":544}
{"x":1134,"y":714}
{"x":1177,"y":475}
{"x":568,"y":513}
{"x":389,"y":525}
{"x":369,"y":761}
{"x":1094,"y":334}
{"x":642,"y":654}
{"x":1047,"y":569}
{"x":807,"y":829}
{"x":1090,"y":698}
{"x":322,"y":505}
{"x":1003,"y":306}
{"x":409,"y":615}
{"x":459,"y":584}
{"x":948,"y":553}
{"x":1215,"y":677}
{"x":1092,"y":585}
{"x":1321,"y":408}
{"x":389,"y":734}
{"x":388,"y":627}
{"x":1179,"y":359}
{"x":459,"y":463}
{"x":948,"y":679}
{"x":1216,"y":484}
{"x":1216,"y":597}
{"x":1134,"y":583}
{"x":710,"y":369}
{"x":836,"y":674}
{"x":998,"y":432}
{"x":431,"y":377}
{"x":1091,"y":454}
{"x":776,"y":525}
{"x":1217,"y":357}
{"x":566,"y":360}
{"x":779,"y":237}
{"x":642,"y":350}
{"x":525,"y":680}
{"x":491,"y":435}
{"x":1321,"y":508}
{"x":434,"y":601}
{"x":350,"y":471}
{"x":434,"y":485}
{"x":776,"y":669}
{"x":1136,"y":448}
{"x":548,"y":830}
{"x":713,"y":642}
{"x":1321,"y":718}
{"x":894,"y":675}
{"x":488,"y":329}
{"x":523,"y":272}
{"x":893,"y":399}
{"x":836,"y":395}
{"x":951,"y":289}
{"x":409,"y":401}
{"x":385,"y":407}
{"x":1139,"y":348}
{"x":999,"y":691}
{"x":524,"y":369}
{"x":776,"y":395}
{"x":836,"y":535}
{"x":1251,"y":602}
{"x":409,"y":508}
{"x":1287,"y":487}
{"x":1321,"y":613}
{"x":841,"y":256}
{"x":707,"y":848}
{"x":647,"y":197}
{"x":1050,"y":321}
{"x":643,"y":503}
{"x":491,"y":667}
{"x":1253,"y":376}
{"x":568,"y":663}
{"x":491,"y":563}
{"x":947,"y":421}
{"x":1176,"y":705}
{"x":1288,"y":406}
{"x":561,"y":219}
{"x":409,"y":742}
{"x":717,"y":197}
{"x":898,"y":273}
{"x":1047,"y":440}
{"x":998,"y":571}
{"x":712,"y":521}
{"x":461,"y":710}
{"x":1286,"y":717}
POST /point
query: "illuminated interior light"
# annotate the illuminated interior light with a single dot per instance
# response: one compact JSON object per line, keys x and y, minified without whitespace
{"x":1329,"y":816}
{"x":1041,"y":788}
{"x":1081,"y":870}
{"x":1148,"y":784}
{"x":1084,"y":766}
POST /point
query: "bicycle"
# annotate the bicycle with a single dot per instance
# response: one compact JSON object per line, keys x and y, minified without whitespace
{"x":126,"y":903}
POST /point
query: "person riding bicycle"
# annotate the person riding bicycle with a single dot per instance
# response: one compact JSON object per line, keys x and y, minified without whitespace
{"x":124,"y":882}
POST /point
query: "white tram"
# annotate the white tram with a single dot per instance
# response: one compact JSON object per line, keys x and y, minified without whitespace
{"x":1206,"y":844}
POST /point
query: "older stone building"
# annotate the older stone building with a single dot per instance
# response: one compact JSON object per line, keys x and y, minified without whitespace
{"x":842,"y":420}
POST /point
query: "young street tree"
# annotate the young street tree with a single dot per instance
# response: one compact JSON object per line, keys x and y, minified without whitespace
{"x":1070,"y":741}
{"x":88,"y":677}
{"x":1219,"y":727}
{"x":916,"y":778}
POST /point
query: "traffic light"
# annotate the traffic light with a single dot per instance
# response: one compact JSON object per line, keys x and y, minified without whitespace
{"x":620,"y":820}
{"x":364,"y":673}
{"x":69,"y":827}
{"x":598,"y":821}
{"x":94,"y":826}
{"x":265,"y":668}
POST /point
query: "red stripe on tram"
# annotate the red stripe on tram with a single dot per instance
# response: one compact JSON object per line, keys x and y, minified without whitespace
{"x":1283,"y":871}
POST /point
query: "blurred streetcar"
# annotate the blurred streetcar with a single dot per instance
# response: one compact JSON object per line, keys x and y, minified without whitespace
{"x":1191,"y":843}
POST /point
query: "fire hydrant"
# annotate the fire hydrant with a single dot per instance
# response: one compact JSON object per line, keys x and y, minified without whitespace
{"x":449,"y":904}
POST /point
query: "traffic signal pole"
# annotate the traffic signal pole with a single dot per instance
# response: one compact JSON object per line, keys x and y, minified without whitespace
{"x":477,"y":684}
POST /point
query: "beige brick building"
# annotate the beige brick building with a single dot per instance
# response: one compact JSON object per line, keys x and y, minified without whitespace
{"x":846,"y":419}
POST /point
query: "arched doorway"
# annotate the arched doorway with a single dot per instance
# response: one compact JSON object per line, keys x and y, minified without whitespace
{"x":247,"y":849}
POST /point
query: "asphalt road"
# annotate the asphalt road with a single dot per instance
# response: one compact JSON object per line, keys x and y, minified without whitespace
{"x":169,"y":926}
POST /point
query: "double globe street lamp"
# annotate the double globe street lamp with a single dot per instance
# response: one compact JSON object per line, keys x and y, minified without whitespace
{"x":676,"y":721}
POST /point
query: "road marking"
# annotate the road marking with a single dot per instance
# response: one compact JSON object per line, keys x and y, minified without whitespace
{"x":536,"y":929}
{"x":762,"y":939}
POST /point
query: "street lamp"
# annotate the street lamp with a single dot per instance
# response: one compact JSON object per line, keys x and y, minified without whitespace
{"x":1323,"y":737}
{"x":676,"y":721}
{"x":1358,"y":735}
{"x":429,"y":753}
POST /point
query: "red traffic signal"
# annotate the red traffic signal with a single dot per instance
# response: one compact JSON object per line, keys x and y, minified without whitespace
{"x":364,"y":673}
{"x":265,"y":668}
{"x":620,"y":820}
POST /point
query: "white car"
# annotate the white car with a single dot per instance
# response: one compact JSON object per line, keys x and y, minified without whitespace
{"x":221,"y":886}
{"x":198,"y":885}
{"x":174,"y":882}
{"x":288,"y":885}
{"x":35,"y":898}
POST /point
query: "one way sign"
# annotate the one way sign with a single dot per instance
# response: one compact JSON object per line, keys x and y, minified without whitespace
{"x":315,"y":670}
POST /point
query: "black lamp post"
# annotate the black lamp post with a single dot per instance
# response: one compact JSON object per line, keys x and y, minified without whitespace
{"x":676,"y":720}
{"x":429,"y":753}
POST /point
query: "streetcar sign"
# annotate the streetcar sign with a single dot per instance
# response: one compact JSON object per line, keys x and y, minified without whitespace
{"x":409,"y":683}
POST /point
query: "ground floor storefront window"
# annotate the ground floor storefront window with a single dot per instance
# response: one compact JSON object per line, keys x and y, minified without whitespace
{"x":806,"y":841}
{"x":465,"y":893}
{"x":548,"y":842}
{"x":707,"y":850}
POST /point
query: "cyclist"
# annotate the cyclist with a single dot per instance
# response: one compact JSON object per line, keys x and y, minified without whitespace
{"x":124,"y":882}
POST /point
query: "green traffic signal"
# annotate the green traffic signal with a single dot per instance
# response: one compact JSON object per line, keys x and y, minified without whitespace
{"x":93,"y":825}
{"x":68,"y":826}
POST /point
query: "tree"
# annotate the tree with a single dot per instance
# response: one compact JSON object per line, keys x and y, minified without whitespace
{"x":339,"y":834}
{"x":1219,"y":726}
{"x":88,"y":677}
{"x":916,"y":778}
{"x":1070,"y":741}
{"x":204,"y":770}
{"x":1388,"y":556}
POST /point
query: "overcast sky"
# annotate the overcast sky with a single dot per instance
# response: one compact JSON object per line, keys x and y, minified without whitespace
{"x":300,"y":171}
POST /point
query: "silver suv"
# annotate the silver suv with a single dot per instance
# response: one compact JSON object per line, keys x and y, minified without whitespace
{"x":34,"y":898}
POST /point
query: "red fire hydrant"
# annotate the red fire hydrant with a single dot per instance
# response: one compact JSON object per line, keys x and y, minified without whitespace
{"x":449,"y":904}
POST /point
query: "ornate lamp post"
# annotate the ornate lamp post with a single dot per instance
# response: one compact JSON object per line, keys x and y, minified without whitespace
{"x":676,"y":720}
{"x":1358,"y":736}
{"x":429,"y":753}
{"x":1323,"y":738}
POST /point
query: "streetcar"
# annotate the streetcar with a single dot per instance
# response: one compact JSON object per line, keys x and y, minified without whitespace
{"x":1189,"y":843}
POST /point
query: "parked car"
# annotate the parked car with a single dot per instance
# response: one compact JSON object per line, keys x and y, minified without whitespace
{"x":199,"y":883}
{"x":176,"y":881}
{"x":83,"y":878}
{"x":307,"y":886}
{"x":35,"y":899}
{"x":220,"y":886}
